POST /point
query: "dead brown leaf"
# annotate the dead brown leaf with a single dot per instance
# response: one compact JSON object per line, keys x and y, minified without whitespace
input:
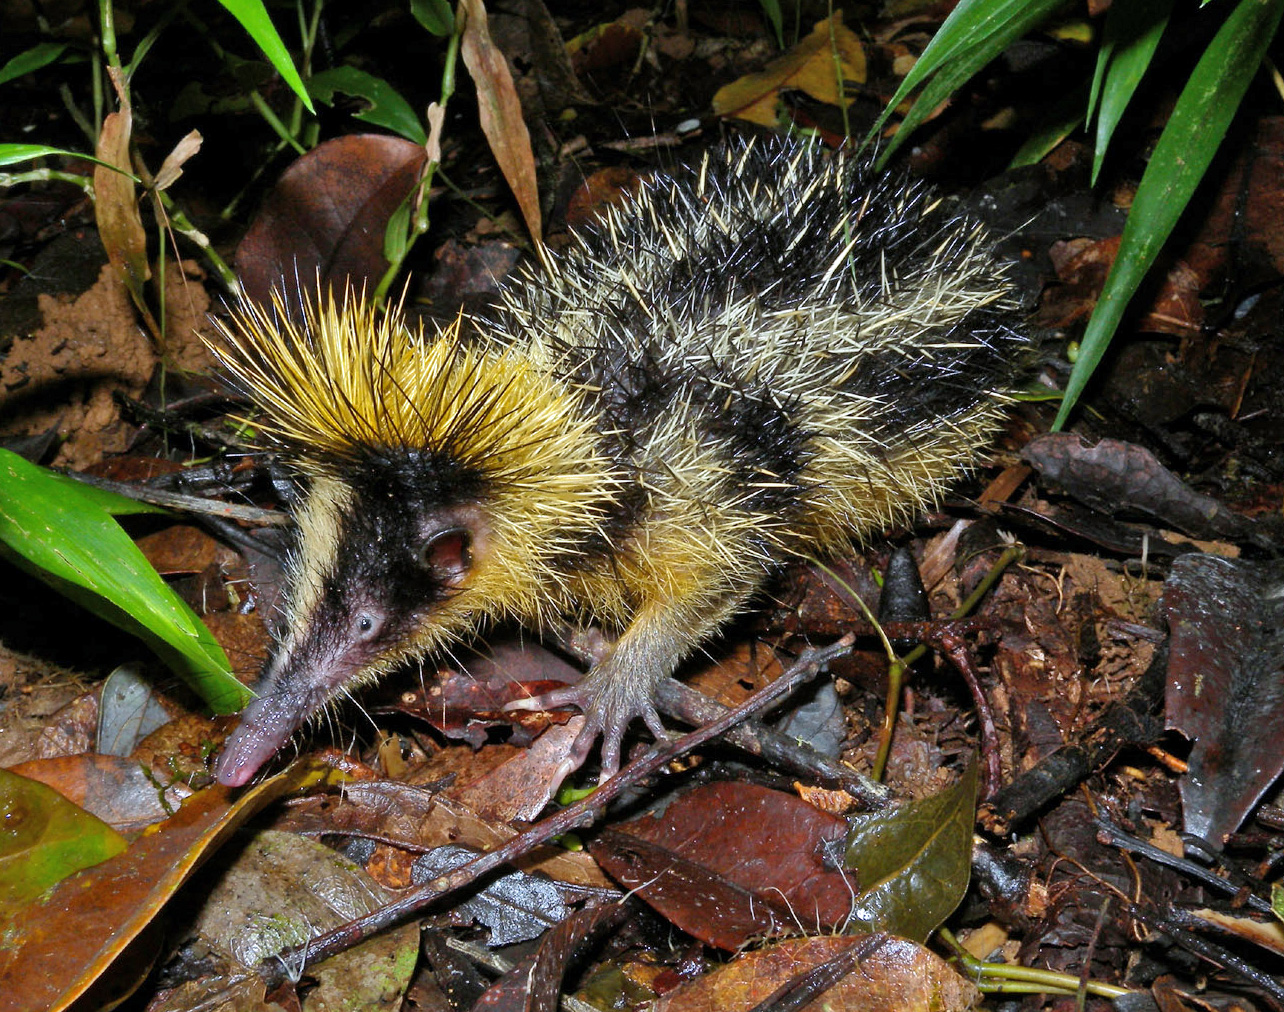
{"x":501,"y":114}
{"x":819,"y":65}
{"x":119,"y":223}
{"x":898,"y":976}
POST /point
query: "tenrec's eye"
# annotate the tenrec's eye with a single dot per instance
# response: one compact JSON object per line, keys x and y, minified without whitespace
{"x":367,"y":625}
{"x":448,"y":554}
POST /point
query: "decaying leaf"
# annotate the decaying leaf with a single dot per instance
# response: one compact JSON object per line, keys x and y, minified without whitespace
{"x":62,"y":945}
{"x":115,"y":203}
{"x":325,"y":220}
{"x":46,"y":839}
{"x":729,"y":862}
{"x":1226,"y":685}
{"x":896,"y":976}
{"x":278,"y":891}
{"x":832,"y":52}
{"x":501,"y":113}
{"x":1113,"y":475}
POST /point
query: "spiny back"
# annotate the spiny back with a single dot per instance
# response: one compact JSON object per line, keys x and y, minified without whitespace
{"x":773,"y":316}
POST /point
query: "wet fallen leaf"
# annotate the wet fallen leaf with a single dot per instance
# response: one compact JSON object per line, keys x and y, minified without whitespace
{"x":516,"y":907}
{"x":418,"y":818}
{"x":130,"y":710}
{"x":1082,"y":266}
{"x":119,"y":791}
{"x":279,"y":891}
{"x":599,"y":192}
{"x":520,"y":787}
{"x":728,"y":862}
{"x":897,"y":976}
{"x":536,"y":981}
{"x":602,"y":47}
{"x":61,"y":946}
{"x":1112,"y":476}
{"x":45,"y":839}
{"x":1226,"y":685}
{"x":913,"y":862}
{"x":830,"y":53}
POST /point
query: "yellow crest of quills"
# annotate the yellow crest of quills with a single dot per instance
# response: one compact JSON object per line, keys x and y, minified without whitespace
{"x":766,"y":355}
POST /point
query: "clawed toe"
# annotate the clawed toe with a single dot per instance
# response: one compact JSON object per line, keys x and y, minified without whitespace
{"x":605,"y":717}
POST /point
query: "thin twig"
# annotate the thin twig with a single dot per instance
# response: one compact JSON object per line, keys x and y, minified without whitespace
{"x":577,"y":816}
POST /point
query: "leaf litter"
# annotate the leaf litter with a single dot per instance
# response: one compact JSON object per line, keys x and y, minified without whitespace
{"x":724,"y":852}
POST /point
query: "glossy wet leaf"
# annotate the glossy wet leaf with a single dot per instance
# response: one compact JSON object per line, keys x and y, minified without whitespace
{"x":277,"y":891}
{"x":896,"y":976}
{"x":43,"y":839}
{"x":912,"y":863}
{"x":62,"y":944}
{"x":729,"y":862}
{"x":1116,"y":477}
{"x":515,"y":906}
{"x":62,"y":532}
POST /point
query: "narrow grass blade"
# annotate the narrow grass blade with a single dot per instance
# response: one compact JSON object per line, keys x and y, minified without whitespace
{"x":62,"y":532}
{"x":1128,"y":43}
{"x":1190,"y":140}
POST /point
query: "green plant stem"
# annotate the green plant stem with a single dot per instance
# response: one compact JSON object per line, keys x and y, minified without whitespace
{"x":896,"y":673}
{"x":419,"y":219}
{"x":891,"y":707}
{"x":107,"y":19}
{"x":495,"y":220}
{"x":45,"y":176}
{"x":184,"y":227}
{"x":90,"y":130}
{"x":308,"y":29}
{"x":274,"y":121}
{"x":149,"y":40}
{"x":1003,"y":978}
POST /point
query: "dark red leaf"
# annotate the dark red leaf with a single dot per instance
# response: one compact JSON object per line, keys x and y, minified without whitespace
{"x":326,"y":218}
{"x":733,"y":861}
{"x":1226,"y":685}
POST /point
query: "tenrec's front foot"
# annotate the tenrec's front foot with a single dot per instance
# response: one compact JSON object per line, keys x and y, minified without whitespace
{"x":608,"y":711}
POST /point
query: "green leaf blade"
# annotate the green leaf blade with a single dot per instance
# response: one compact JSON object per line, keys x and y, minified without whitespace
{"x":253,"y":17}
{"x":435,"y":16}
{"x":47,"y":838}
{"x":387,"y":108}
{"x":32,"y":59}
{"x":62,"y":532}
{"x":913,"y":861}
{"x":975,"y":33}
{"x":1199,"y":121}
{"x":1132,"y":34}
{"x":16,"y":154}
